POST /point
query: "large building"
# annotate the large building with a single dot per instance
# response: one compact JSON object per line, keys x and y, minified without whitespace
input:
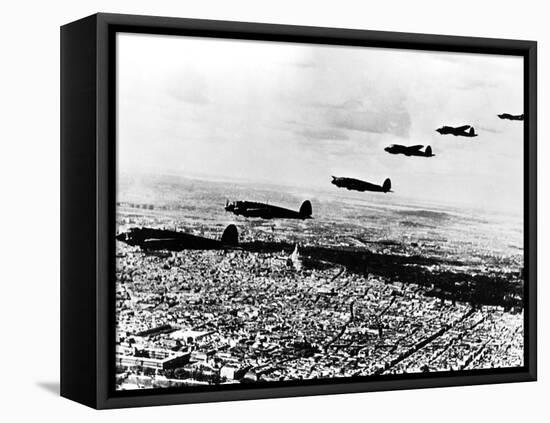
{"x":155,"y":359}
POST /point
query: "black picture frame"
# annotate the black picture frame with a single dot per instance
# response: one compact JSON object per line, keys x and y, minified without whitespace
{"x":88,"y":206}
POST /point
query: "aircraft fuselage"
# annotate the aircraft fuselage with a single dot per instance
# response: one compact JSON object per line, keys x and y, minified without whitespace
{"x":415,"y":150}
{"x":267,"y":211}
{"x":163,"y":239}
{"x":359,"y":185}
{"x":462,"y":131}
{"x":511,"y":117}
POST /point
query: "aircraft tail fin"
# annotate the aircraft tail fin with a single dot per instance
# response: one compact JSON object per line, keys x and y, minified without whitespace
{"x":305,"y":209}
{"x":387,"y":185}
{"x":230,"y":235}
{"x":429,"y":151}
{"x":472,"y":131}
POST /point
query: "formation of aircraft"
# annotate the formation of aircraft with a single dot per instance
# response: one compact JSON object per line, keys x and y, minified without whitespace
{"x":267,"y":211}
{"x":413,"y":150}
{"x":359,"y":185}
{"x":462,"y":131}
{"x":163,"y":239}
{"x":510,"y":117}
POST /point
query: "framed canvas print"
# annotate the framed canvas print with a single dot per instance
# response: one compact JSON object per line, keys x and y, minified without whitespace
{"x":255,"y":211}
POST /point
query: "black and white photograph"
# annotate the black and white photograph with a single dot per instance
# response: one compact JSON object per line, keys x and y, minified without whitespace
{"x":293,"y":212}
{"x":282,"y":211}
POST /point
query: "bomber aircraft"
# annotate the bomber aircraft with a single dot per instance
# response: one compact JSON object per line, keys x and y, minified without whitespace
{"x":267,"y":211}
{"x":463,"y":131}
{"x":413,"y":150}
{"x":163,"y":239}
{"x":510,"y":117}
{"x":359,"y":185}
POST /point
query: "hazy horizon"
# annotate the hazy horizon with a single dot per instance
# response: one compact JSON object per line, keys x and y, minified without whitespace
{"x":326,"y":193}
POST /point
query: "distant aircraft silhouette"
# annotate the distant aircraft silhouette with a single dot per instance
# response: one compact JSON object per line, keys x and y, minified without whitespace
{"x":413,"y":150}
{"x":510,"y":117}
{"x":359,"y":185}
{"x":463,"y":131}
{"x":267,"y":211}
{"x":162,"y":239}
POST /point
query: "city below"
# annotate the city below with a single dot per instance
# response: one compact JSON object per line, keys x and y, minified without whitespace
{"x":366,"y":287}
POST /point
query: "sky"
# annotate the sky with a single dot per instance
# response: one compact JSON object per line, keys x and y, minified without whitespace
{"x":295,"y":114}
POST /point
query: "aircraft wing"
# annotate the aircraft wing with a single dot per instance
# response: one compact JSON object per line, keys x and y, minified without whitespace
{"x":161,"y":239}
{"x":255,"y":209}
{"x":463,"y":128}
{"x":257,"y":212}
{"x":415,"y":147}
